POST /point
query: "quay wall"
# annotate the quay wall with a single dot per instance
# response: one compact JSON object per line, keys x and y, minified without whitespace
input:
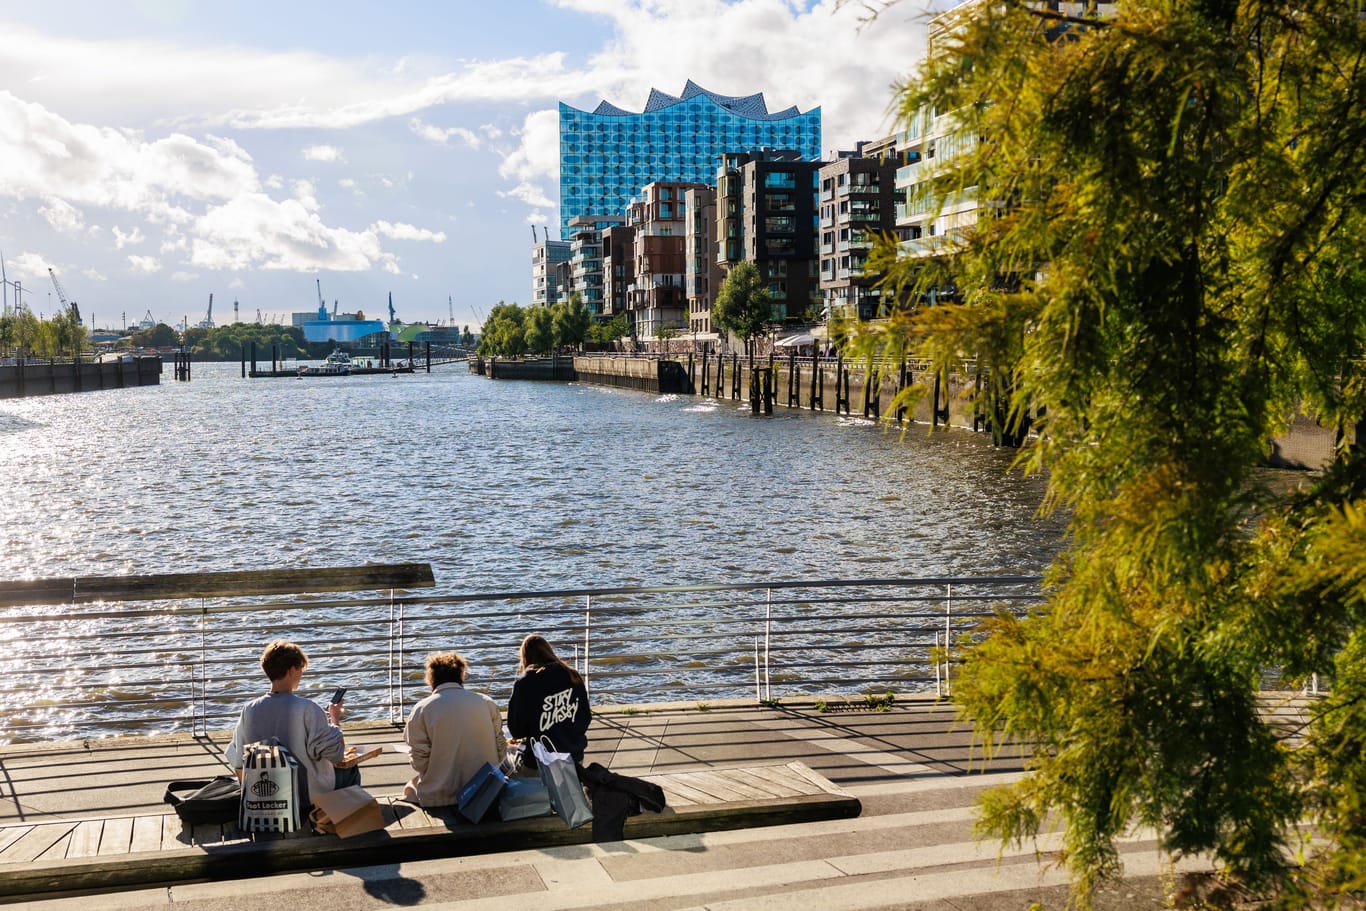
{"x":22,"y":380}
{"x":833,"y":386}
{"x":538,"y":368}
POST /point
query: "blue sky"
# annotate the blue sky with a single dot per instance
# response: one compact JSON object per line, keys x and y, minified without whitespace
{"x":155,"y":152}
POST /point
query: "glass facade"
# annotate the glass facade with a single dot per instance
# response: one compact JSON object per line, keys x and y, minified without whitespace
{"x":608,"y":154}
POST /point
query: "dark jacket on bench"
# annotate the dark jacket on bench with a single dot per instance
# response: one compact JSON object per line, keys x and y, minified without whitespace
{"x":616,"y":797}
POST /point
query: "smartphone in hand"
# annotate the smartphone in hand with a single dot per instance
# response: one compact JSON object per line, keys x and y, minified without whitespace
{"x":337,"y":694}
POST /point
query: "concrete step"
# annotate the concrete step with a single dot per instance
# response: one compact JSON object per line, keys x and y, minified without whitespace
{"x":894,"y":856}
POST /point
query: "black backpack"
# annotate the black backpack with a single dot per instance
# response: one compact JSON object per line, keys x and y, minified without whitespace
{"x":214,"y":800}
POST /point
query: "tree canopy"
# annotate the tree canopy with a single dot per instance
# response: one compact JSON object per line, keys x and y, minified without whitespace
{"x":1166,"y":264}
{"x":512,"y":330}
{"x":742,"y":304}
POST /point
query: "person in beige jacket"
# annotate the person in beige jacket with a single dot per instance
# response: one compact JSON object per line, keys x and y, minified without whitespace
{"x":452,"y":733}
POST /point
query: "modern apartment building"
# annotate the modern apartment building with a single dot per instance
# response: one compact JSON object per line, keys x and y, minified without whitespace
{"x":702,"y":275}
{"x":766,"y":214}
{"x":657,"y":296}
{"x":545,"y":286}
{"x":618,"y":268}
{"x":927,"y":225}
{"x":857,"y":209}
{"x":608,"y":154}
{"x":585,"y":259}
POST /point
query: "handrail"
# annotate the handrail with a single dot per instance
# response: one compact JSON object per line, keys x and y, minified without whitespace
{"x":190,"y":662}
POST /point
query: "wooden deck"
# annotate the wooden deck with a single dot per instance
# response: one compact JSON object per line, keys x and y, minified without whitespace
{"x":48,"y":858}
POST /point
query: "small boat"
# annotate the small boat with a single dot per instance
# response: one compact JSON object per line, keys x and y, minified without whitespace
{"x":338,"y":363}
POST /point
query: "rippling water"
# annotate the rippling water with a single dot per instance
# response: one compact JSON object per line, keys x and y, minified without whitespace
{"x":496,"y":484}
{"x":499,"y":485}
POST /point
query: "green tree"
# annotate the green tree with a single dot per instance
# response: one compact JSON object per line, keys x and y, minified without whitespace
{"x":159,"y":336}
{"x":570,"y":320}
{"x":540,"y":330}
{"x":608,"y":331}
{"x":1166,"y":265}
{"x":467,"y":337}
{"x":742,"y":304}
{"x":504,"y":332}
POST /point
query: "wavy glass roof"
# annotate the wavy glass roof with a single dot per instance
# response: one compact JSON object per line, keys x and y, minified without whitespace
{"x":607,"y":155}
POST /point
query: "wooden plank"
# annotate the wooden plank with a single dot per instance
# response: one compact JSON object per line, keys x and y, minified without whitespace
{"x":146,"y":834}
{"x":743,"y":781}
{"x":117,"y":836}
{"x":408,"y":815}
{"x":174,"y":833}
{"x":672,"y":785}
{"x":674,"y":797}
{"x":33,"y":844}
{"x":10,"y":834}
{"x":778,"y":784}
{"x":58,"y":849}
{"x":819,"y":781}
{"x":800,"y":783}
{"x":238,"y":583}
{"x":85,"y":841}
{"x":718,"y":787}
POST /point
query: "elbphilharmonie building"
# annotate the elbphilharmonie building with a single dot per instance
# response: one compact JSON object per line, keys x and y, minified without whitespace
{"x":607,"y":155}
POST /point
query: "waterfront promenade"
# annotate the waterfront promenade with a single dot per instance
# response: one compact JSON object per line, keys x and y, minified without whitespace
{"x":911,"y":768}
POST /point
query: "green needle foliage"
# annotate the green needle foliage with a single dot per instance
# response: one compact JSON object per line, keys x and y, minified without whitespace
{"x":1167,"y":263}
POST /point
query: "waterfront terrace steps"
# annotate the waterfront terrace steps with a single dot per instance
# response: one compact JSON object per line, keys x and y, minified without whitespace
{"x":122,"y":852}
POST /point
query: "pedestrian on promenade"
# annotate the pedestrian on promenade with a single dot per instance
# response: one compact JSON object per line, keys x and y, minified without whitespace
{"x":299,"y":725}
{"x":549,"y":700}
{"x":452,"y":733}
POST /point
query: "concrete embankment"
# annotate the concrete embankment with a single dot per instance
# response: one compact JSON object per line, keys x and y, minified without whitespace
{"x":847,"y":388}
{"x":20,"y":380}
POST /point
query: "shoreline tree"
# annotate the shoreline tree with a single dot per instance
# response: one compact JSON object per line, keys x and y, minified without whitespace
{"x":742,"y":304}
{"x":1165,"y":266}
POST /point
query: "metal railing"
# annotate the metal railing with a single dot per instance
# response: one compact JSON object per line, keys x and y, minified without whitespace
{"x":189,"y":664}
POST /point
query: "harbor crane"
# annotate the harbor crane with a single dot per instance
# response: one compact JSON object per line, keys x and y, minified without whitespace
{"x":61,"y":296}
{"x":207,"y":321}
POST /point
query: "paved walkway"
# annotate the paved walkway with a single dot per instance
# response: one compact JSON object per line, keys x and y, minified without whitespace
{"x":912,"y":847}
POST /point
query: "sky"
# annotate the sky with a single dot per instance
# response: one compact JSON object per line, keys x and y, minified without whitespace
{"x":155,"y":152}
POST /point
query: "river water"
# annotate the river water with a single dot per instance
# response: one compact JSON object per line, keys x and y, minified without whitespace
{"x":498,"y":485}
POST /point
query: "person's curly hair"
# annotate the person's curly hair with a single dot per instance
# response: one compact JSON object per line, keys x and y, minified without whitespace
{"x":446,"y":667}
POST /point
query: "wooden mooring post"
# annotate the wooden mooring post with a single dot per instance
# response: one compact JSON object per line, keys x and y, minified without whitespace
{"x":705,"y":378}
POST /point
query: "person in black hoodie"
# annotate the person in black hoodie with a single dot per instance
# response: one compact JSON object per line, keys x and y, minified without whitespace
{"x":548,"y":699}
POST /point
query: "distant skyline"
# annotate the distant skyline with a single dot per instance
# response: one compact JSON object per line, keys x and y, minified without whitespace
{"x":156,"y":151}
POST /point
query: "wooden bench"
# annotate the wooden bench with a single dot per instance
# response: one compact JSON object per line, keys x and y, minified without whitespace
{"x":93,"y":855}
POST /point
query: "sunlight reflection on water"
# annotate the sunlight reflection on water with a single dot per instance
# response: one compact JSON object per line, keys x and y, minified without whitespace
{"x":499,"y":485}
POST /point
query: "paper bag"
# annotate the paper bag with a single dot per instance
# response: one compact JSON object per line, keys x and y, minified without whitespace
{"x":562,"y":784}
{"x":481,"y":792}
{"x":346,"y":812}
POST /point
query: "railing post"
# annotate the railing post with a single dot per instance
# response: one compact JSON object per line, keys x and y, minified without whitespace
{"x":389,"y":696}
{"x":948,"y":615}
{"x":768,"y":633}
{"x":203,"y":670}
{"x":587,"y":625}
{"x":758,"y":691}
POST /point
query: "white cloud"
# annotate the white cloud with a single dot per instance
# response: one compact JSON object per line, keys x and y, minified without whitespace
{"x":347,"y":183}
{"x":28,"y":266}
{"x":94,"y":275}
{"x":528,"y":193}
{"x":63,"y":216}
{"x":538,"y":154}
{"x":443,"y":136}
{"x":275,"y":182}
{"x":144,"y":264}
{"x":402,"y":231}
{"x":323,"y":153}
{"x":127,"y":239}
{"x":183,"y":276}
{"x":255,"y":231}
